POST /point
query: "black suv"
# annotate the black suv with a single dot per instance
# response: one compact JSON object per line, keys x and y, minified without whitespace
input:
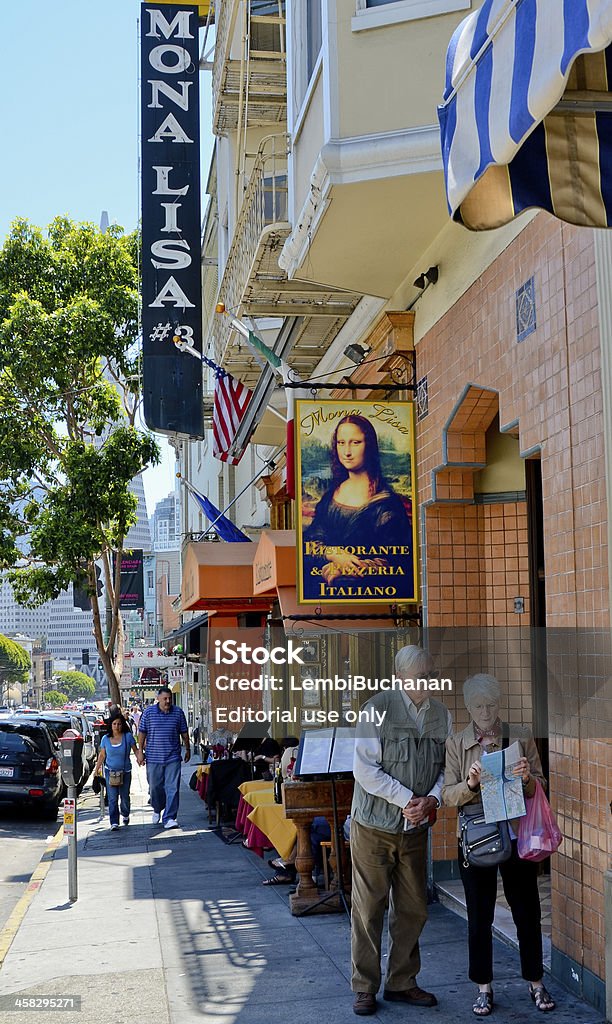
{"x":29,"y":766}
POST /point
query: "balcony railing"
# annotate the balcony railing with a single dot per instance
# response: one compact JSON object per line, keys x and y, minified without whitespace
{"x":251,"y":84}
{"x":263,"y":212}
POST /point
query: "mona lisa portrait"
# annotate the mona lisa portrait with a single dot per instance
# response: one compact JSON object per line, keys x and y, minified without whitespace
{"x":355,"y":519}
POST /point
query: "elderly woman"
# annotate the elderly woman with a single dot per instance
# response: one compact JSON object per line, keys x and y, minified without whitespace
{"x":462,"y":786}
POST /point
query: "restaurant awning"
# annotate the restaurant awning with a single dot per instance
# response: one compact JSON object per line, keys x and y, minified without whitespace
{"x":219,"y":577}
{"x":526,"y":119}
{"x":274,"y":562}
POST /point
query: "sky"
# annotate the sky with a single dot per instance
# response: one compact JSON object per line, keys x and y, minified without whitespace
{"x":69,"y":76}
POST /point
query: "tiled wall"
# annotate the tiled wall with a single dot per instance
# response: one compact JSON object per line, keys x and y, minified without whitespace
{"x":548,"y":391}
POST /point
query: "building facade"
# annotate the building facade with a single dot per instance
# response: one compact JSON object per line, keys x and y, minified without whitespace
{"x":328,"y":228}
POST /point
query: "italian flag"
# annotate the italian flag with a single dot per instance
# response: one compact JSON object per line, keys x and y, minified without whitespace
{"x":287,"y":375}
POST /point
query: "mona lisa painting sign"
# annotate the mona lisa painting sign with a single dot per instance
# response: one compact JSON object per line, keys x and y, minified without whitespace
{"x":356,"y":527}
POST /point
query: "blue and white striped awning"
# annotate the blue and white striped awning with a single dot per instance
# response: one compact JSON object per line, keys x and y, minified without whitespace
{"x":526,"y":119}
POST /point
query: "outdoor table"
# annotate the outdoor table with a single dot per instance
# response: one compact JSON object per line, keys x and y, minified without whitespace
{"x":202,"y":780}
{"x":250,"y":800}
{"x":268,"y":827}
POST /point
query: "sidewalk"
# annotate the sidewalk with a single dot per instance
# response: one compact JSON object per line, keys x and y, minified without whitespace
{"x":175,"y":927}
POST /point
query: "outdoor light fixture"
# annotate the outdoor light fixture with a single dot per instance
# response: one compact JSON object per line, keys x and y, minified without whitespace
{"x":356,"y":353}
{"x":426,"y":278}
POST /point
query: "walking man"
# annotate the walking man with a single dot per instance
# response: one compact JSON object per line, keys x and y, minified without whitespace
{"x":161,"y":728}
{"x":399,"y":772}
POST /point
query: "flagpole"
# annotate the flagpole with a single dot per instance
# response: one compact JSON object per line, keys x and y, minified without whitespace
{"x":221,"y":515}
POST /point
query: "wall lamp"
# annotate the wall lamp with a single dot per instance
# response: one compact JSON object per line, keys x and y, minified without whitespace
{"x":356,"y":353}
{"x":428,"y":277}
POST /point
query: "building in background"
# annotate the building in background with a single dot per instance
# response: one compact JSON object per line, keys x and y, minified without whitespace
{"x":164,"y":524}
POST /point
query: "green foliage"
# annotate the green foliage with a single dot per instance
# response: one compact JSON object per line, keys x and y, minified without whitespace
{"x":55,"y":698}
{"x":76,"y":684}
{"x":68,"y":444}
{"x":15,"y":662}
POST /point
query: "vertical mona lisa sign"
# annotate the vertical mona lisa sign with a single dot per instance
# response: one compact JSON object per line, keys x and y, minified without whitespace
{"x":171,"y":285}
{"x":356,"y":514}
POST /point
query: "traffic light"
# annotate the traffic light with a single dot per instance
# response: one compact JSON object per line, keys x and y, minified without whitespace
{"x":99,"y":584}
{"x":84,"y":656}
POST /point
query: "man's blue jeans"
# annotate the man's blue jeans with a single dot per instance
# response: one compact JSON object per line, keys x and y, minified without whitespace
{"x":164,"y":781}
{"x":116,"y":795}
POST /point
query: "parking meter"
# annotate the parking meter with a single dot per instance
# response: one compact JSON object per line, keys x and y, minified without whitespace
{"x":71,"y":757}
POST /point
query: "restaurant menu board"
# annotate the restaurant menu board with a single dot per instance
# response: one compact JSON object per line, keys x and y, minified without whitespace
{"x":342,"y":751}
{"x":324,"y":752}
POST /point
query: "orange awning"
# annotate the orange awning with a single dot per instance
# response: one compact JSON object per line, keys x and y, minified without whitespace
{"x":274,"y":562}
{"x":219,"y":577}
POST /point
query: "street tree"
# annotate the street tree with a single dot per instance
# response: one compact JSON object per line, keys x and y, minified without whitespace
{"x":69,"y":397}
{"x":15,"y":663}
{"x":75,"y":684}
{"x":55,"y":698}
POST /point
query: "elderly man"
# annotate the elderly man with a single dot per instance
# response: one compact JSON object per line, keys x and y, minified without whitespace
{"x":161,"y":728}
{"x":399,"y":773}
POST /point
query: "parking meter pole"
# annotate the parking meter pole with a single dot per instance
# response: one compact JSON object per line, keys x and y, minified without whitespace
{"x":73,"y":886}
{"x":71,"y":760}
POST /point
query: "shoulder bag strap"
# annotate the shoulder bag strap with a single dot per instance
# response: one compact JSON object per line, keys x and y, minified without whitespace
{"x":505,"y":735}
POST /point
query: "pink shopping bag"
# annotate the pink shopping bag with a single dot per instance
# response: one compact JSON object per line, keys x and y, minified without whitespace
{"x":538,"y":833}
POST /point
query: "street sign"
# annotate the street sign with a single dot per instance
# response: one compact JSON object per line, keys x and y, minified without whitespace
{"x":150,"y":657}
{"x":69,"y":817}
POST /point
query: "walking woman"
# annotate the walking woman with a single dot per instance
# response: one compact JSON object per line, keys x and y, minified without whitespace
{"x":519,"y":877}
{"x":116,"y":749}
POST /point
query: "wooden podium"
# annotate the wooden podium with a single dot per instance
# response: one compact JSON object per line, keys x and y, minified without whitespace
{"x":302,"y":802}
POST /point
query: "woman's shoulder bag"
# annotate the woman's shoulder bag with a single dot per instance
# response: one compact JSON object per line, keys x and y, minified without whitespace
{"x":483,"y":844}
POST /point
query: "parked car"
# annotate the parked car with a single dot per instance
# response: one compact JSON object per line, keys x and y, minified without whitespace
{"x":57,"y":722}
{"x":29,"y":766}
{"x":86,"y":730}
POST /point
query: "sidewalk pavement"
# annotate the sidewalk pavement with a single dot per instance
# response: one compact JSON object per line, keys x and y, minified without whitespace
{"x":176,"y":928}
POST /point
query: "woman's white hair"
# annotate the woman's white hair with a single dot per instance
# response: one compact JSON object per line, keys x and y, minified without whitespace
{"x":480,"y":685}
{"x":413,"y":662}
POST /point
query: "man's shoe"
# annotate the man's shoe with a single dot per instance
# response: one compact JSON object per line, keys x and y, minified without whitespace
{"x":364,"y":1004}
{"x":155,"y":818}
{"x":414,"y":996}
{"x":126,"y":821}
{"x":171,"y":823}
{"x":114,"y":828}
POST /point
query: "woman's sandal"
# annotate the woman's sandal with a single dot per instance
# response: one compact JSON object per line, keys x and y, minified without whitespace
{"x":280,"y":879}
{"x":542,"y":998}
{"x":483,"y":1005}
{"x":276,"y":864}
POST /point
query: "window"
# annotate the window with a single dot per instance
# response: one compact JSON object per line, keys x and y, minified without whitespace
{"x":375,"y":13}
{"x":307,"y":40}
{"x":314,"y":35}
{"x":150,"y":581}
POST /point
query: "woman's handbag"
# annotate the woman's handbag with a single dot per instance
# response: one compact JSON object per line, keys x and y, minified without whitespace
{"x":115,"y":778}
{"x":538,"y":832}
{"x":483,"y":844}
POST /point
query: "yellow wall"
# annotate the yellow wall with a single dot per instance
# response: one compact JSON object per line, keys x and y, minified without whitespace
{"x":505,"y":468}
{"x":390,"y":77}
